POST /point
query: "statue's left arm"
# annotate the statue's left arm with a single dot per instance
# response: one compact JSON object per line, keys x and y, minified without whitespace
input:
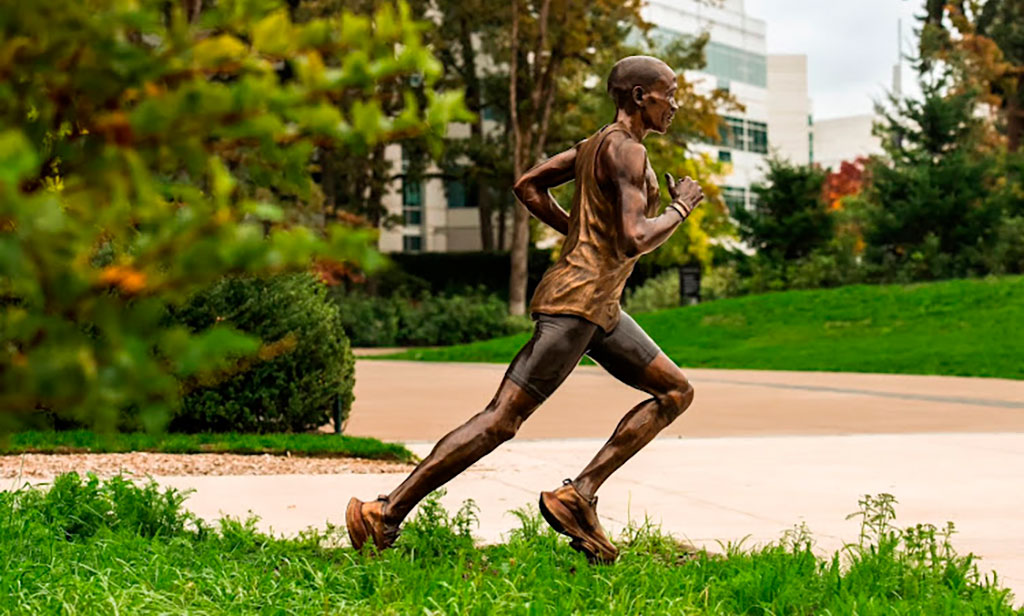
{"x":533,"y":189}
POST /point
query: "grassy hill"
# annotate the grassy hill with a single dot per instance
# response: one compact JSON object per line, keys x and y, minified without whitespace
{"x":957,"y":327}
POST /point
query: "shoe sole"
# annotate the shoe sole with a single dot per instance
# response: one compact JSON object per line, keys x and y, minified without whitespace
{"x":552,"y":508}
{"x":355,"y":524}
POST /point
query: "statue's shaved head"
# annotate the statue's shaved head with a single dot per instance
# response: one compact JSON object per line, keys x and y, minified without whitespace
{"x":635,"y":71}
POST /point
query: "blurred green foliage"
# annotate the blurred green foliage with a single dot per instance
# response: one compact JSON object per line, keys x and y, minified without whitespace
{"x":145,"y":154}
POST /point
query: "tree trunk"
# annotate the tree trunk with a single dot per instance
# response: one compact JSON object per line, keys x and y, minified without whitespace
{"x":328,"y":184}
{"x":192,"y":10}
{"x":502,"y":227}
{"x":475,"y":188}
{"x":1014,"y":123}
{"x":521,"y":224}
{"x":377,"y":184}
{"x":486,"y":207}
{"x":518,"y":275}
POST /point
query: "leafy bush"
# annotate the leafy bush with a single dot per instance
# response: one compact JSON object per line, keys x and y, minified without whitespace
{"x":370,"y":321}
{"x":304,"y":365}
{"x":440,"y":320}
{"x":428,"y":320}
{"x":658,"y":293}
{"x":720,"y":282}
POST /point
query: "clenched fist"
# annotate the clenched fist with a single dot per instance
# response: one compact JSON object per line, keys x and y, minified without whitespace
{"x":686,"y":194}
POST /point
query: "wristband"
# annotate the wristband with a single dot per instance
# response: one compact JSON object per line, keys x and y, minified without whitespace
{"x":679,"y":210}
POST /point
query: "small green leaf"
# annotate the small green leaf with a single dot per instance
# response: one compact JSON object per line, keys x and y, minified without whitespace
{"x":18,"y":159}
{"x":273,"y":34}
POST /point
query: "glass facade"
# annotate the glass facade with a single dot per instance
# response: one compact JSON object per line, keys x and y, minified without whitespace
{"x":734,"y":64}
{"x":726,"y":62}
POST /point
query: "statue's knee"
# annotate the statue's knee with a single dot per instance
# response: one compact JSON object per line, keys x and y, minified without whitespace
{"x":677,"y":400}
{"x":501,"y":428}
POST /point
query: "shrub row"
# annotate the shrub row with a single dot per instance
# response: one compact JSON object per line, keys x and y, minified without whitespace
{"x":427,"y":320}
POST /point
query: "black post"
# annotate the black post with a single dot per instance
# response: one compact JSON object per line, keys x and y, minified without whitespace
{"x":689,"y":285}
{"x":337,"y":414}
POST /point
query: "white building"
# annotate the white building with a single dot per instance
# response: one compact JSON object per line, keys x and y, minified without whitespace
{"x":435,"y":219}
{"x":789,"y":108}
{"x":772,"y":89}
{"x":846,"y":138}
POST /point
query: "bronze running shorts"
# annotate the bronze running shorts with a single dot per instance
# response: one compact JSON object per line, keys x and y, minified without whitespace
{"x":560,"y":341}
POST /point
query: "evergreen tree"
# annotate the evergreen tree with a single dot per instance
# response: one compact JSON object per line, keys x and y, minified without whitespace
{"x":789,"y":219}
{"x":929,"y":214}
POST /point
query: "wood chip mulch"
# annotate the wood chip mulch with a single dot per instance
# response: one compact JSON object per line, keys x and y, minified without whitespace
{"x":37,"y":466}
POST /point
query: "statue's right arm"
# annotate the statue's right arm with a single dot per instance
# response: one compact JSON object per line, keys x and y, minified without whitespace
{"x":533,"y":189}
{"x":624,"y":162}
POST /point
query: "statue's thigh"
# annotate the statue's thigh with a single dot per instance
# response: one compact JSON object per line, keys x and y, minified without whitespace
{"x":626,"y":353}
{"x":557,"y":345}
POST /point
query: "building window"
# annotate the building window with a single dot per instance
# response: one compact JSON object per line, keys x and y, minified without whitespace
{"x":412,"y":193}
{"x":412,"y":243}
{"x":732,"y":133}
{"x":744,"y":134}
{"x":413,"y":216}
{"x":757,"y":134}
{"x":810,"y":140}
{"x":735,"y":198}
{"x":455,"y":191}
{"x":412,"y":202}
{"x":493,"y":113}
{"x":724,"y":156}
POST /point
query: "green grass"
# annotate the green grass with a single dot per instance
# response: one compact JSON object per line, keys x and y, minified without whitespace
{"x":314,"y":445}
{"x":959,"y":327}
{"x":114,"y":547}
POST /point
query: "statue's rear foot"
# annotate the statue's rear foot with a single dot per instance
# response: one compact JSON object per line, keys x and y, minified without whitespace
{"x":365,"y":522}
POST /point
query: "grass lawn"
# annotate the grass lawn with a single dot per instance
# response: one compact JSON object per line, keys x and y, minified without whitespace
{"x":318,"y":445}
{"x":958,"y":327}
{"x":109,"y":547}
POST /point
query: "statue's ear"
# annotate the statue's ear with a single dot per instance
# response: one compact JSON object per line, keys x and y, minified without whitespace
{"x":638,"y":95}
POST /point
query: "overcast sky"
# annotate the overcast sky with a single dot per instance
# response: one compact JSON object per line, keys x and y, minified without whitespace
{"x":850,"y":47}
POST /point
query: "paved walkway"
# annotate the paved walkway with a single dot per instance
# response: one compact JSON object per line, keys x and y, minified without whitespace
{"x":757,"y":453}
{"x":404,"y":400}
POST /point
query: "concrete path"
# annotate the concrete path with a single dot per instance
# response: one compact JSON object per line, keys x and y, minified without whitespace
{"x":757,"y":453}
{"x":404,"y":400}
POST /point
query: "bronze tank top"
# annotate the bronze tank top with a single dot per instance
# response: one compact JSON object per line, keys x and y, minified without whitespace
{"x":588,"y":278}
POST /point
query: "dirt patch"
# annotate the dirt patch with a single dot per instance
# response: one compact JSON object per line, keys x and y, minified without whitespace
{"x":37,"y":466}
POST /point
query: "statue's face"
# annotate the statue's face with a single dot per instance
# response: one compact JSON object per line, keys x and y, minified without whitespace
{"x":659,"y":103}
